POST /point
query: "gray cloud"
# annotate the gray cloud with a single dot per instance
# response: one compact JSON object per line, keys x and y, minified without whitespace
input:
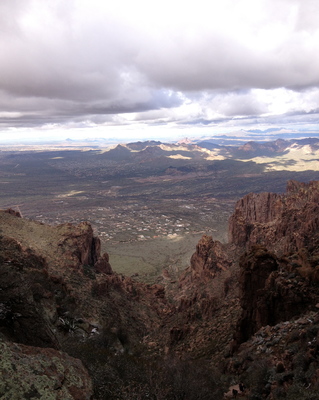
{"x":80,"y":60}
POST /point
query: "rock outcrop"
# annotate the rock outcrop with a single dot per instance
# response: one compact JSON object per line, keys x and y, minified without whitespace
{"x":59,"y":295}
{"x":66,"y":244}
{"x":279,"y":271}
{"x":210,"y":257}
{"x":285,"y":223}
{"x":41,"y":373}
{"x":280,"y":361}
{"x":206,"y":301}
{"x":27,"y":301}
{"x":275,"y":343}
{"x":255,"y":269}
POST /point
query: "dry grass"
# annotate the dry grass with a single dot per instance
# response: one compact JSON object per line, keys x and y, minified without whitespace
{"x":149,"y":258}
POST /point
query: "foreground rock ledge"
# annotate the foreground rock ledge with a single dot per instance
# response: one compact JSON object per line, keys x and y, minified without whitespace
{"x":30,"y":372}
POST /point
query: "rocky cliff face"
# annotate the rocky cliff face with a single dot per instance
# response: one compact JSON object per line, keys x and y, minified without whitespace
{"x":32,"y":373}
{"x":279,"y":288}
{"x":66,"y":244}
{"x":58,"y":292}
{"x":280,"y":234}
{"x":270,"y":292}
{"x":59,"y":298}
{"x":273,"y":255}
{"x":210,"y":257}
{"x":285,"y":223}
{"x":206,"y":299}
{"x":255,"y":270}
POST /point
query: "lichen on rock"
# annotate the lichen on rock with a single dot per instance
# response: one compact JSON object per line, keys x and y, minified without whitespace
{"x":30,"y":373}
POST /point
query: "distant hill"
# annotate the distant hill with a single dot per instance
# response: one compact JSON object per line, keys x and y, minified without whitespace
{"x":280,"y":154}
{"x":257,"y":149}
{"x":206,"y":144}
{"x":142,"y":145}
{"x":119,"y":153}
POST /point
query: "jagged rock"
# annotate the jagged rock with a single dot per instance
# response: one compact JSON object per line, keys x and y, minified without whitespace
{"x":65,"y":244}
{"x":209,"y":259}
{"x":256,"y":266}
{"x":280,"y":361}
{"x":26,"y":296}
{"x":38,"y":373}
{"x":13,"y":212}
{"x":58,"y":291}
{"x":285,"y":223}
{"x":267,"y":295}
{"x":80,"y":239}
{"x":252,"y":211}
{"x":50,"y":297}
{"x":103,"y":266}
{"x":201,"y":259}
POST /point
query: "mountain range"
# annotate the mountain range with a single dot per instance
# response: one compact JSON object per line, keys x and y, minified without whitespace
{"x":294,"y":154}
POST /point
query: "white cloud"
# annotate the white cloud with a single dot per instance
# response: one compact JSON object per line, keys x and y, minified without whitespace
{"x":171,"y":62}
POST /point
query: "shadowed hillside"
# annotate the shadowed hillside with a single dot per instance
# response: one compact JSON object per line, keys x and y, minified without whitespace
{"x":242,"y":312}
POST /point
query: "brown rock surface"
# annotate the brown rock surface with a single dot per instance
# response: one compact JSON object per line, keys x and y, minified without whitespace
{"x":288,"y":226}
{"x":280,"y":361}
{"x":37,"y":373}
{"x":102,"y":265}
{"x":285,"y":223}
{"x":269,"y":293}
{"x":65,"y":244}
{"x":210,"y":256}
{"x":256,"y":268}
{"x":59,"y":292}
{"x":27,"y":304}
{"x":206,"y":299}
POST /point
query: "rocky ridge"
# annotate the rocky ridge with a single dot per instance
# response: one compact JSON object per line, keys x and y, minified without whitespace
{"x":249,"y":306}
{"x":59,"y":292}
{"x":278,"y":291}
{"x":287,"y":223}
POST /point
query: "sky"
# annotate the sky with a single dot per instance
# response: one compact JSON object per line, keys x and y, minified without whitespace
{"x":157,"y":69}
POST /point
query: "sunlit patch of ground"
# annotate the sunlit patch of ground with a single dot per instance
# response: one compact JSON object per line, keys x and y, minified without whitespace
{"x":213,"y":157}
{"x":296,"y":159}
{"x":147,"y":259}
{"x":175,"y":237}
{"x":170,"y":148}
{"x":70,"y":193}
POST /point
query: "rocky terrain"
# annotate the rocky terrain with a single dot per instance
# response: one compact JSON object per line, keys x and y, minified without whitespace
{"x":245,"y":312}
{"x":140,"y":196}
{"x":58,"y":292}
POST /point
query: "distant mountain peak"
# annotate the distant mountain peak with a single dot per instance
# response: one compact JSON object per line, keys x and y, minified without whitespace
{"x":185,"y":141}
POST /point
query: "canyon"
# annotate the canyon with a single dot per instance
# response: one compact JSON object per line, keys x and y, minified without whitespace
{"x":244,"y":311}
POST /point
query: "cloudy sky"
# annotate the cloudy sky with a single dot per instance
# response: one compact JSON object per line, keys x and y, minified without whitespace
{"x":149,"y":68}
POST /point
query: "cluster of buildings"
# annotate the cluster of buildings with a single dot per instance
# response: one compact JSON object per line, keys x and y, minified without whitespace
{"x":138,"y":222}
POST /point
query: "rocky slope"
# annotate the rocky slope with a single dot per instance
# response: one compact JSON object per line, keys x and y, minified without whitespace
{"x":246,"y":311}
{"x":58,"y":292}
{"x":273,"y":255}
{"x":288,"y":221}
{"x":30,"y":373}
{"x":276,"y":334}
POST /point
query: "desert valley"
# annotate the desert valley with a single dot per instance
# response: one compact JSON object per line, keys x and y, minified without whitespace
{"x":160,"y":270}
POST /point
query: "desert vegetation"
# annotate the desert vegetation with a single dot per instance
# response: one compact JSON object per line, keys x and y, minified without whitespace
{"x":146,"y":206}
{"x":193,"y":316}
